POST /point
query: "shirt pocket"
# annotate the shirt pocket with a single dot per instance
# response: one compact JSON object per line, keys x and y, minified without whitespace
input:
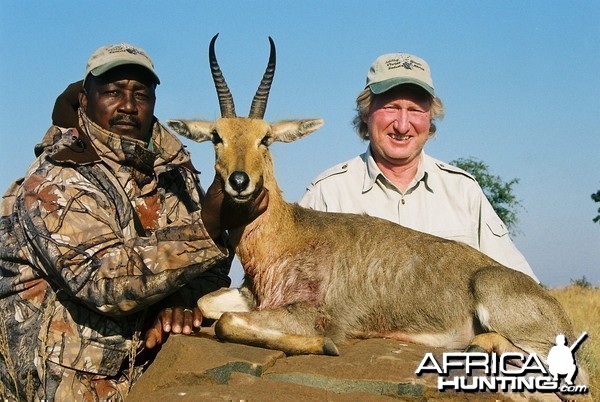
{"x":498,"y":228}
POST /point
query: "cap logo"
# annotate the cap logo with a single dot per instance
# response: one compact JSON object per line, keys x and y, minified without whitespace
{"x":406,"y":63}
{"x":128,"y":49}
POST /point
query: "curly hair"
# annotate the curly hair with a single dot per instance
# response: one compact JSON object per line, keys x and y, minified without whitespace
{"x":363,"y":106}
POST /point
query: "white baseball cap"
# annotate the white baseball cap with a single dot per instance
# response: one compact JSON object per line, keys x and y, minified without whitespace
{"x":390,"y":70}
{"x":111,"y":56}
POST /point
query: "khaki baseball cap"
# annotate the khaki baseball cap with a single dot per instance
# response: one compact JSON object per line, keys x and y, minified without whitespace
{"x":390,"y":70}
{"x":111,"y":56}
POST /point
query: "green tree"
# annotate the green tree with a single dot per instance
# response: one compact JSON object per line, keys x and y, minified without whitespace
{"x":596,"y":198}
{"x":498,"y":192}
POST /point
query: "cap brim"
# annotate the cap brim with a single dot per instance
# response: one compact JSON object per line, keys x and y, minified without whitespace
{"x":383,"y":86}
{"x":110,"y":65}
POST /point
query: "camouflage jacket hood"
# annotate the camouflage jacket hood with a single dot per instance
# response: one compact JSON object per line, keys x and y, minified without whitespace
{"x":96,"y":144}
{"x":100,"y":229}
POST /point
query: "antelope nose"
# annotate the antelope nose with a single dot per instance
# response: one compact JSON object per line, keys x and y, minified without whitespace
{"x":239,"y":181}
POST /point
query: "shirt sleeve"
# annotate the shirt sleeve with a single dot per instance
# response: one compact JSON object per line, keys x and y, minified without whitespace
{"x":313,"y":198}
{"x":495,"y":241}
{"x":88,"y":244}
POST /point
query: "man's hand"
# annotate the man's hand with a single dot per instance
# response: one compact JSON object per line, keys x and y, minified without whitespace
{"x":220,"y":214}
{"x":176,"y":320}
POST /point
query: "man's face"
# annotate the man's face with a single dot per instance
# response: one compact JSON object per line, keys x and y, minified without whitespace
{"x":121,"y":101}
{"x":399,"y":122}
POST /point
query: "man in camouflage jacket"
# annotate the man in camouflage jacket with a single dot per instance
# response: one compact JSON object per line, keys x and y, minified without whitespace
{"x":108,"y":226}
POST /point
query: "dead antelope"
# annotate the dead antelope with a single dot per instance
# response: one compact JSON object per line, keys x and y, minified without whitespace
{"x":315,"y":279}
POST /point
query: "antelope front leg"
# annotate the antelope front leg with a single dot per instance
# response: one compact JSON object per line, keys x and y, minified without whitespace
{"x":492,"y":342}
{"x":214,"y":304}
{"x":291,"y":329}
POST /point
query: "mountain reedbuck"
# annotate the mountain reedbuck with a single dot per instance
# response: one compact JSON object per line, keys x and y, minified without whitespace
{"x":314,"y":279}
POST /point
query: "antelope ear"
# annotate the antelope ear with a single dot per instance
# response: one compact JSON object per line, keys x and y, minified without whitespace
{"x":196,"y":130}
{"x":291,"y":130}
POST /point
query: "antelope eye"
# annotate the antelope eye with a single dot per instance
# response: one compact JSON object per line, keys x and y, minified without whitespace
{"x":266,"y":141}
{"x":216,"y":138}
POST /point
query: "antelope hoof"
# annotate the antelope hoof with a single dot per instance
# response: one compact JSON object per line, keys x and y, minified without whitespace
{"x":329,"y":347}
{"x":472,"y":348}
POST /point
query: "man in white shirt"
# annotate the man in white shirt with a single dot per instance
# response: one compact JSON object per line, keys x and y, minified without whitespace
{"x":395,"y":180}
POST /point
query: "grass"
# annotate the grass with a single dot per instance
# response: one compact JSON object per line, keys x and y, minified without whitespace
{"x":582,"y":304}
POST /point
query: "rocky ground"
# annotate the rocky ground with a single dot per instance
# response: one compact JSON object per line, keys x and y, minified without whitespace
{"x":201,"y":368}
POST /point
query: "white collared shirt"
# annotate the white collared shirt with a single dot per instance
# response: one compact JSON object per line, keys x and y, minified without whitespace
{"x":442,"y":200}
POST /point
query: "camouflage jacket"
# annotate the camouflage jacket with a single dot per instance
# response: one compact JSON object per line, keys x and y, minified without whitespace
{"x":99,"y":229}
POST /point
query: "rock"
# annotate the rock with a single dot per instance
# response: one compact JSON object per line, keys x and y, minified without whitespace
{"x":201,"y":368}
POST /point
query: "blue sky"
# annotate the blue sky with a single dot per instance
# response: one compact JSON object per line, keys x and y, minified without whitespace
{"x":519,"y":80}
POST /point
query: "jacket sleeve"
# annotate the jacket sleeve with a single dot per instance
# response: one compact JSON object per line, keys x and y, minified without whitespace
{"x":87,"y":242}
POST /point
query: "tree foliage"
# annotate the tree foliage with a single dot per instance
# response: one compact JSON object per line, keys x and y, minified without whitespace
{"x":582,"y":283}
{"x":596,"y":198}
{"x":500,"y":193}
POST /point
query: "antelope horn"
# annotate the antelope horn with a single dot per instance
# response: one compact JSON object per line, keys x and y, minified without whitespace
{"x":225,"y":97}
{"x":259,"y":103}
